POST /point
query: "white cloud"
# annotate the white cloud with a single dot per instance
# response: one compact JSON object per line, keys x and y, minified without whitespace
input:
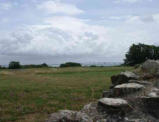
{"x":56,"y":38}
{"x":54,"y":7}
{"x":63,"y":35}
{"x":5,"y":6}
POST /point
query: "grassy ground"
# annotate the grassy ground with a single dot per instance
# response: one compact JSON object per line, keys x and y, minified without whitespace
{"x":30,"y":95}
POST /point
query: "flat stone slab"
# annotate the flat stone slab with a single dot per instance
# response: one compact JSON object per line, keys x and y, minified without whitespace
{"x":126,"y":89}
{"x":113,"y":102}
{"x":130,"y":85}
{"x":113,"y":106}
{"x":129,"y":74}
{"x":142,"y":82}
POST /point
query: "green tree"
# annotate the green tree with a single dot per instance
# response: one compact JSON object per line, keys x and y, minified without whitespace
{"x":14,"y":65}
{"x":138,"y":53}
{"x":71,"y":64}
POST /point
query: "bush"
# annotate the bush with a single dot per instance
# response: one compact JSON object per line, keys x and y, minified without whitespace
{"x":14,"y":65}
{"x":93,"y":66}
{"x":71,"y":64}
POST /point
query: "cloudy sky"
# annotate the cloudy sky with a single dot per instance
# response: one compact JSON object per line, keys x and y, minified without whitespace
{"x":55,"y":31}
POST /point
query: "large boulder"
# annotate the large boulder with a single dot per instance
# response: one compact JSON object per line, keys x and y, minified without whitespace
{"x":69,"y":116}
{"x":127,"y":89}
{"x":151,"y":66}
{"x":113,"y":106}
{"x":123,"y":77}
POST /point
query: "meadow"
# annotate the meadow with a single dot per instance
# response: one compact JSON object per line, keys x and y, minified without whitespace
{"x":30,"y":95}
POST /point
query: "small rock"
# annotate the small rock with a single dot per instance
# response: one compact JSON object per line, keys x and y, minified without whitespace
{"x":155,"y":90}
{"x":107,"y":94}
{"x":69,"y":116}
{"x":92,"y":111}
{"x":152,"y":94}
{"x":147,"y":76}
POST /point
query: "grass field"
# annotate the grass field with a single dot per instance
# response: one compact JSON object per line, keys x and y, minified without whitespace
{"x":30,"y":95}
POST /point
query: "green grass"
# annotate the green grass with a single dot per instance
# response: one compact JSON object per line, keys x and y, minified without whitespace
{"x":30,"y":95}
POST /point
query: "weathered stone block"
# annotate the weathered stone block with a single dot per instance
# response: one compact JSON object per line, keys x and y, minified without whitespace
{"x":113,"y":106}
{"x":126,"y":89}
{"x":123,"y":77}
{"x":142,"y":82}
{"x":151,"y":66}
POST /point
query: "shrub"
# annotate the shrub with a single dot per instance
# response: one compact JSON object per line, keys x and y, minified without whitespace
{"x":93,"y":66}
{"x":14,"y":65}
{"x":70,"y":64}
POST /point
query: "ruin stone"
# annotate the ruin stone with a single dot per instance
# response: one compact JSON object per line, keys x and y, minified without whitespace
{"x":69,"y":116}
{"x":123,"y":77}
{"x":142,"y":82}
{"x":127,"y":88}
{"x":92,"y":111}
{"x":151,"y":66}
{"x":113,"y":106}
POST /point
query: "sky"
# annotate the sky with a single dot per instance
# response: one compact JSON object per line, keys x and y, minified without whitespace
{"x":56,"y":31}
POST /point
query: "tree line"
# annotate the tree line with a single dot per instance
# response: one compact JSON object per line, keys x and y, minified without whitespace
{"x":17,"y":65}
{"x":139,"y":53}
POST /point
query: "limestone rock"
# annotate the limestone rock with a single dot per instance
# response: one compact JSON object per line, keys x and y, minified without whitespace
{"x":155,"y":90}
{"x":127,"y":88}
{"x":145,"y":83}
{"x":92,"y":111}
{"x":152,"y":94}
{"x":69,"y":116}
{"x":151,"y":66}
{"x":123,"y":77}
{"x":113,"y":106}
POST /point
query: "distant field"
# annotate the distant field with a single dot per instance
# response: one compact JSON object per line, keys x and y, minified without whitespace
{"x":30,"y":95}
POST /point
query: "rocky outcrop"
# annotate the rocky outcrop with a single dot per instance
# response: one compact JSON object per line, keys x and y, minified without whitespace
{"x":132,"y":98}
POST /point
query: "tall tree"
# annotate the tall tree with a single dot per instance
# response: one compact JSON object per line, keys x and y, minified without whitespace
{"x":138,"y":53}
